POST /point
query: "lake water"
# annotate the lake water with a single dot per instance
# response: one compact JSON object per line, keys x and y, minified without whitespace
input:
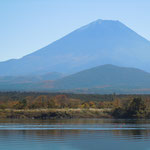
{"x":82,"y":134}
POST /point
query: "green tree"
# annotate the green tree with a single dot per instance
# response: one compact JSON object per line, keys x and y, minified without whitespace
{"x":137,"y":108}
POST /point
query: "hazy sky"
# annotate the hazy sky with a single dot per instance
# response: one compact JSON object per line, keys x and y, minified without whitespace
{"x":28,"y":25}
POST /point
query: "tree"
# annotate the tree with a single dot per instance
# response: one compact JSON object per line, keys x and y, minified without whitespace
{"x":137,"y":108}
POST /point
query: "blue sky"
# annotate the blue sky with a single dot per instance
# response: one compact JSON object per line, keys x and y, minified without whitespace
{"x":28,"y":25}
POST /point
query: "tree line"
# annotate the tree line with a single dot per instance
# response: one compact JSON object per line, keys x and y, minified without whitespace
{"x":122,"y":106}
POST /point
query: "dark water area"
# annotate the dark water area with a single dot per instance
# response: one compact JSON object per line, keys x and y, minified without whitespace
{"x":82,"y":134}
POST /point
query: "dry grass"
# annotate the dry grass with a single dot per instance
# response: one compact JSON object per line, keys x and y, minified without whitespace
{"x":55,"y":113}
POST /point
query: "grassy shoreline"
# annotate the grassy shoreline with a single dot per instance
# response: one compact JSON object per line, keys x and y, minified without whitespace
{"x":54,"y":113}
{"x":15,"y":105}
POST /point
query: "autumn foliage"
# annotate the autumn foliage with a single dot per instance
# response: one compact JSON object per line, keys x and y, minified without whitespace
{"x":121,"y":106}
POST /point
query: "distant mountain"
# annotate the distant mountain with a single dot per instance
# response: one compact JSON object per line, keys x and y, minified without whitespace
{"x":30,"y":78}
{"x":100,"y":42}
{"x":103,"y":79}
{"x":105,"y":76}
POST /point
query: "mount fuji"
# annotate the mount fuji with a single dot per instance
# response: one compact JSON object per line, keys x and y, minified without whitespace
{"x":98,"y":43}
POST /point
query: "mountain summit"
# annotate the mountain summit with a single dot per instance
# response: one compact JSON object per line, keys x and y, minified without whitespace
{"x":100,"y":42}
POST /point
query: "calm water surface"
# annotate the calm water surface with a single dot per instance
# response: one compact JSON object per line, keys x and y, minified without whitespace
{"x":89,"y":134}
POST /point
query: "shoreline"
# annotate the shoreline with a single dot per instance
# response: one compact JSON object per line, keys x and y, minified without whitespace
{"x":63,"y":113}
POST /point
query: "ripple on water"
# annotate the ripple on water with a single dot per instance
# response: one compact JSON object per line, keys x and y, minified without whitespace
{"x":81,"y":136}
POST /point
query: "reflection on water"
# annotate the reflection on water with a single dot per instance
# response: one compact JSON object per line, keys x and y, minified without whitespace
{"x":75,"y":135}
